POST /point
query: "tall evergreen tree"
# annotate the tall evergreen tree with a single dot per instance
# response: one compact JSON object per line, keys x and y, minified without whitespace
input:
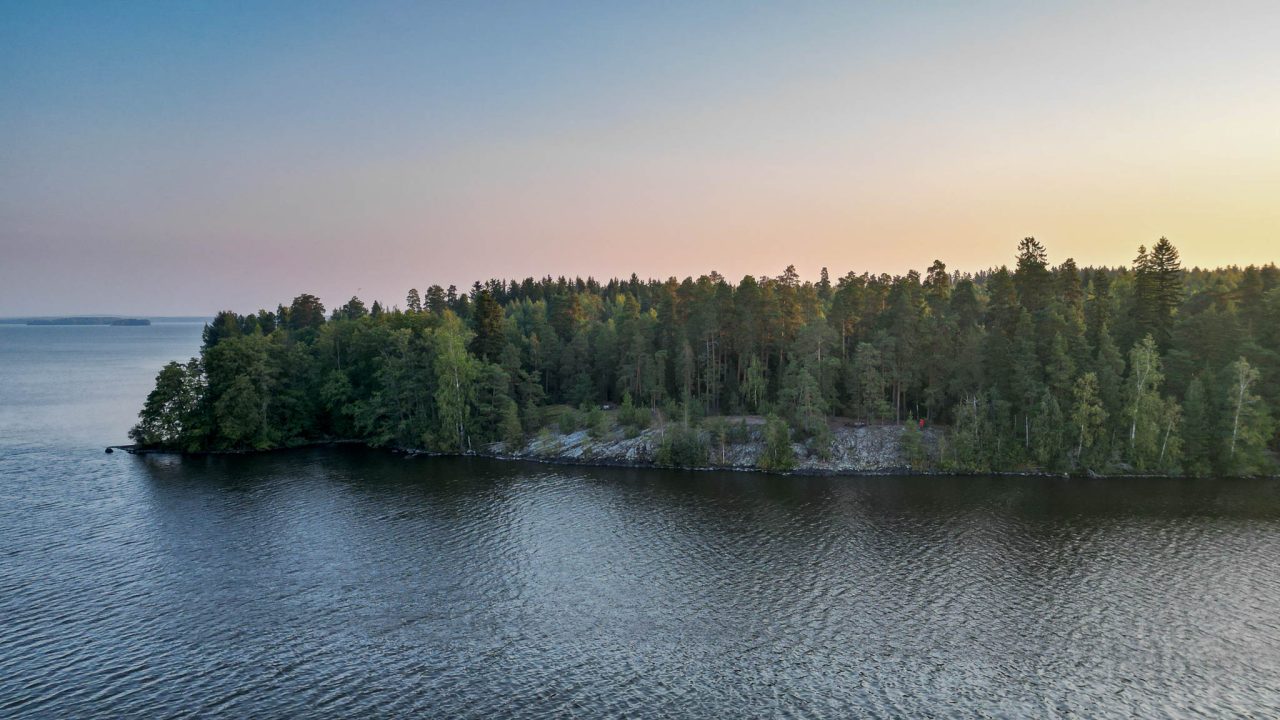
{"x":1164,"y":289}
{"x":489,"y":341}
{"x":1032,"y":276}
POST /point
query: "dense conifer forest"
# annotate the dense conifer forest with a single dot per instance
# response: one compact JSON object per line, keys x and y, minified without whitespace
{"x":1148,"y":369}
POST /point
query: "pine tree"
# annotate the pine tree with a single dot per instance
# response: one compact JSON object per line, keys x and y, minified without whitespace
{"x":1032,"y":276}
{"x":868,"y":377}
{"x":306,"y":312}
{"x":824,"y":286}
{"x":937,"y":285}
{"x":488,"y":323}
{"x":802,"y":401}
{"x":1097,"y":308}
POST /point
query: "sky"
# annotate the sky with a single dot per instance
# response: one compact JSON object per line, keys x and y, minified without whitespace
{"x":184,"y":157}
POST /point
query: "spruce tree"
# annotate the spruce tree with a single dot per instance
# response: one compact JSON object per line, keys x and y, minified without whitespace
{"x":1198,"y":435}
{"x":487,"y":322}
{"x":1032,"y":276}
{"x":1164,"y":290}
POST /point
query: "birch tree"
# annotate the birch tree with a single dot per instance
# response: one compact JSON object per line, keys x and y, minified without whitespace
{"x":455,"y":373}
{"x":1143,"y":402}
{"x":1087,"y":413}
{"x":1250,"y":422}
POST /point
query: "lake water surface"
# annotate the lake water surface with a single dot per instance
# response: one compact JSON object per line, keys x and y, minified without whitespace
{"x":346,"y":583}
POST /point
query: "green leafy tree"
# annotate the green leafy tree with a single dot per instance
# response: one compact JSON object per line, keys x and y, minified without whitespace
{"x":971,"y":437}
{"x":597,"y":422}
{"x":802,"y":401}
{"x":754,"y":385}
{"x":1169,"y":458}
{"x":912,"y":443}
{"x":239,"y":414}
{"x":455,"y":372}
{"x":681,"y":445}
{"x":1250,"y":424}
{"x":1143,"y":402}
{"x":778,"y":455}
{"x":1088,"y":416}
{"x":170,"y":416}
{"x":492,"y":407}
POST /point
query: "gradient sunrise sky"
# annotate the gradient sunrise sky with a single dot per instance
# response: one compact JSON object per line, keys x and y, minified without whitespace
{"x":170,"y":158}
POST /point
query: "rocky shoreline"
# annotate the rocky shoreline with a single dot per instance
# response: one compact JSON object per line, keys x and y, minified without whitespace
{"x":855,"y":450}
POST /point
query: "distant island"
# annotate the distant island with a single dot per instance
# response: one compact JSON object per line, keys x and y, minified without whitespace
{"x":89,"y":321}
{"x":1153,"y":369}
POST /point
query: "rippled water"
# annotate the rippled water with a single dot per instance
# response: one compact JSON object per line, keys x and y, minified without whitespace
{"x":355,"y":583}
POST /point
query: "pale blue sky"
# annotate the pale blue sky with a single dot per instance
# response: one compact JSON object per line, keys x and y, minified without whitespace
{"x":183,"y":157}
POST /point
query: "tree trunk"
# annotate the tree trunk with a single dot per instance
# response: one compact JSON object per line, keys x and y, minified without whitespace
{"x":1235,"y":423}
{"x":1165,"y":443}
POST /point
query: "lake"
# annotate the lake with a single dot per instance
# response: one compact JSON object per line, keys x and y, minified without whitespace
{"x":329,"y":582}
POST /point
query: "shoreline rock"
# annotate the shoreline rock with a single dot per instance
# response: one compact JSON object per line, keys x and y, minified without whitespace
{"x":856,"y":451}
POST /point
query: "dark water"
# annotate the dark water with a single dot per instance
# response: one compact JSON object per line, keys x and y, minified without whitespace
{"x":359,"y":584}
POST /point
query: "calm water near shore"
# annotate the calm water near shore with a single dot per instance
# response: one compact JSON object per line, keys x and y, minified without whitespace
{"x":330,"y":582}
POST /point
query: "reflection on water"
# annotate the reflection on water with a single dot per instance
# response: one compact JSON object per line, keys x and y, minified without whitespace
{"x":353,"y":583}
{"x":360,"y":582}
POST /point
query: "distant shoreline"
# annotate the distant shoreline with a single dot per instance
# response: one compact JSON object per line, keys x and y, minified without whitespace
{"x":98,"y":320}
{"x":82,"y":321}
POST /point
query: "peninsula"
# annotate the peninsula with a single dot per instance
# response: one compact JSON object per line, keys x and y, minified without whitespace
{"x":1150,"y":369}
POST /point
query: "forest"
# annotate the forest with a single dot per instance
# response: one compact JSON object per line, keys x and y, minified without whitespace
{"x":1148,"y":369}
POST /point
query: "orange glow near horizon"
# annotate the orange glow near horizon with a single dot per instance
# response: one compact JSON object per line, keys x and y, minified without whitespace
{"x":350,"y":152}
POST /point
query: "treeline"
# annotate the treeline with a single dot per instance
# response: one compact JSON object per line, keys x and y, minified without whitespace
{"x":1145,"y":369}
